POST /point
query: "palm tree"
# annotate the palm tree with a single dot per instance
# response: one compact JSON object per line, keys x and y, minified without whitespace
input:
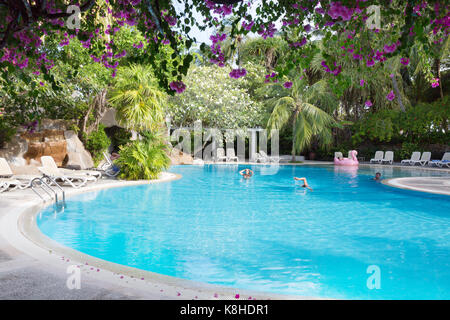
{"x":267,"y":52}
{"x":295,"y":106}
{"x":138,"y":99}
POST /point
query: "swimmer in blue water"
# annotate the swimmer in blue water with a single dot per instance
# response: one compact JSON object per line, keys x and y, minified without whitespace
{"x":246,"y":173}
{"x":305,"y":183}
{"x":377,"y":176}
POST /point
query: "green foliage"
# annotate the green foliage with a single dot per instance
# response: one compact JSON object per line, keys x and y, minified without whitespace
{"x":6,"y":131}
{"x":424,"y":123}
{"x":143,"y":159}
{"x":138,"y":99}
{"x":218,"y":100}
{"x":97,"y":142}
{"x":119,"y":136}
{"x":294,"y":107}
{"x":377,"y":126}
{"x":407,"y":149}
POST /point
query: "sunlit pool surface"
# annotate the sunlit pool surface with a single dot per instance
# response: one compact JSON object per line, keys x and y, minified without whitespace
{"x":268,"y":233}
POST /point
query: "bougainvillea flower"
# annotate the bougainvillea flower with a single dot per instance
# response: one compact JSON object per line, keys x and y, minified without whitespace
{"x":287,"y":84}
{"x":178,"y":86}
{"x":237,"y":73}
{"x":435,"y":83}
{"x":390,"y":96}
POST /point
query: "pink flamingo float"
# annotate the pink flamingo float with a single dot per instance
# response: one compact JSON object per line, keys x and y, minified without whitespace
{"x":347,"y":161}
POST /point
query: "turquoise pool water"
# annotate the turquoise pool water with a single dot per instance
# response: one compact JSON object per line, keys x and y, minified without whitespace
{"x":268,"y":233}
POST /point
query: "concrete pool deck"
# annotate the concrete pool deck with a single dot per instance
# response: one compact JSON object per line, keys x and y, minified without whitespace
{"x":35,"y":267}
{"x":438,"y":185}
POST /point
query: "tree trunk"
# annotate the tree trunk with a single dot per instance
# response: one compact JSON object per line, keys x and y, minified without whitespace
{"x":296,"y":112}
{"x":98,"y":109}
{"x":397,"y":92}
{"x":437,"y":68}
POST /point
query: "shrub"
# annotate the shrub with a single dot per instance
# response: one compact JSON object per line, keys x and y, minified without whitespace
{"x":425,"y":123}
{"x":97,"y":142}
{"x":143,"y":159}
{"x":407,"y":149}
{"x":6,"y":132}
{"x":119,"y":137}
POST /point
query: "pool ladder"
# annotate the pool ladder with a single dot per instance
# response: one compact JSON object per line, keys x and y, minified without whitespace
{"x":40,"y":184}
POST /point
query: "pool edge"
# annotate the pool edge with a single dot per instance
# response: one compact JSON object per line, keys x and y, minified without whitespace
{"x":21,"y":231}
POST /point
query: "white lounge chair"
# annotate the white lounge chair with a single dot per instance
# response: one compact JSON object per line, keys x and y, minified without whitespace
{"x":378,"y":157}
{"x":426,"y":156}
{"x":50,"y":169}
{"x":445,"y":161}
{"x":263,"y":155}
{"x":260,"y":158}
{"x":414,"y":158}
{"x":108,"y":167}
{"x":220,"y":154}
{"x":49,"y":162}
{"x":388,"y":157}
{"x":11,"y":184}
{"x":9,"y":181}
{"x":231,"y":155}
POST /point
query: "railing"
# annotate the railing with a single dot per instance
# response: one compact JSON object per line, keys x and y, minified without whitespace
{"x":47,"y":188}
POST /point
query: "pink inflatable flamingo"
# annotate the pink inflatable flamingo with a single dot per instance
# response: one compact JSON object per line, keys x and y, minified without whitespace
{"x":347,"y":161}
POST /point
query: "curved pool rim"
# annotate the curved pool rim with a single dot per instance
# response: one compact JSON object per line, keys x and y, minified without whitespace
{"x":24,"y":226}
{"x":27,"y":226}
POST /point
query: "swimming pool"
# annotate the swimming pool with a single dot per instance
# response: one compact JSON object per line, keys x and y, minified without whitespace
{"x":268,"y":233}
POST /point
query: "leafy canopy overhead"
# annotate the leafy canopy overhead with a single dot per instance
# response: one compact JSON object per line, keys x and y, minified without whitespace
{"x":26,"y":25}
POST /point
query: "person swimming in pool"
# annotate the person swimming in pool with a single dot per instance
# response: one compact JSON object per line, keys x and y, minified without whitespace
{"x":377,"y":176}
{"x":246,"y":173}
{"x":305,"y":183}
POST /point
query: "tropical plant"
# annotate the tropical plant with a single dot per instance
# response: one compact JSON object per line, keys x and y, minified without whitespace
{"x":143,"y":159}
{"x":218,"y":100}
{"x":168,"y":22}
{"x":294,"y":106}
{"x":138,"y":99}
{"x":267,"y":52}
{"x":425,"y":123}
{"x":6,"y":131}
{"x":97,"y":142}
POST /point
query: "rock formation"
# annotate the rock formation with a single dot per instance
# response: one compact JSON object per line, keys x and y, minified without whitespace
{"x":178,"y":157}
{"x":77,"y":157}
{"x":53,"y":139}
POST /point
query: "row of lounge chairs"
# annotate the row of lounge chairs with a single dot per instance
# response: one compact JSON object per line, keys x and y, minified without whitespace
{"x":73,"y":178}
{"x":383,"y":158}
{"x":261,"y":156}
{"x":445,"y":161}
{"x":230,"y":156}
{"x":416,"y":158}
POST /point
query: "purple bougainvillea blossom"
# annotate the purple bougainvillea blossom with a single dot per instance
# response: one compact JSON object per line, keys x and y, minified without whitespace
{"x":238,"y":73}
{"x":435,"y":83}
{"x":287,"y":84}
{"x":390,"y":48}
{"x":390,"y":96}
{"x":404,"y":61}
{"x":178,"y":86}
